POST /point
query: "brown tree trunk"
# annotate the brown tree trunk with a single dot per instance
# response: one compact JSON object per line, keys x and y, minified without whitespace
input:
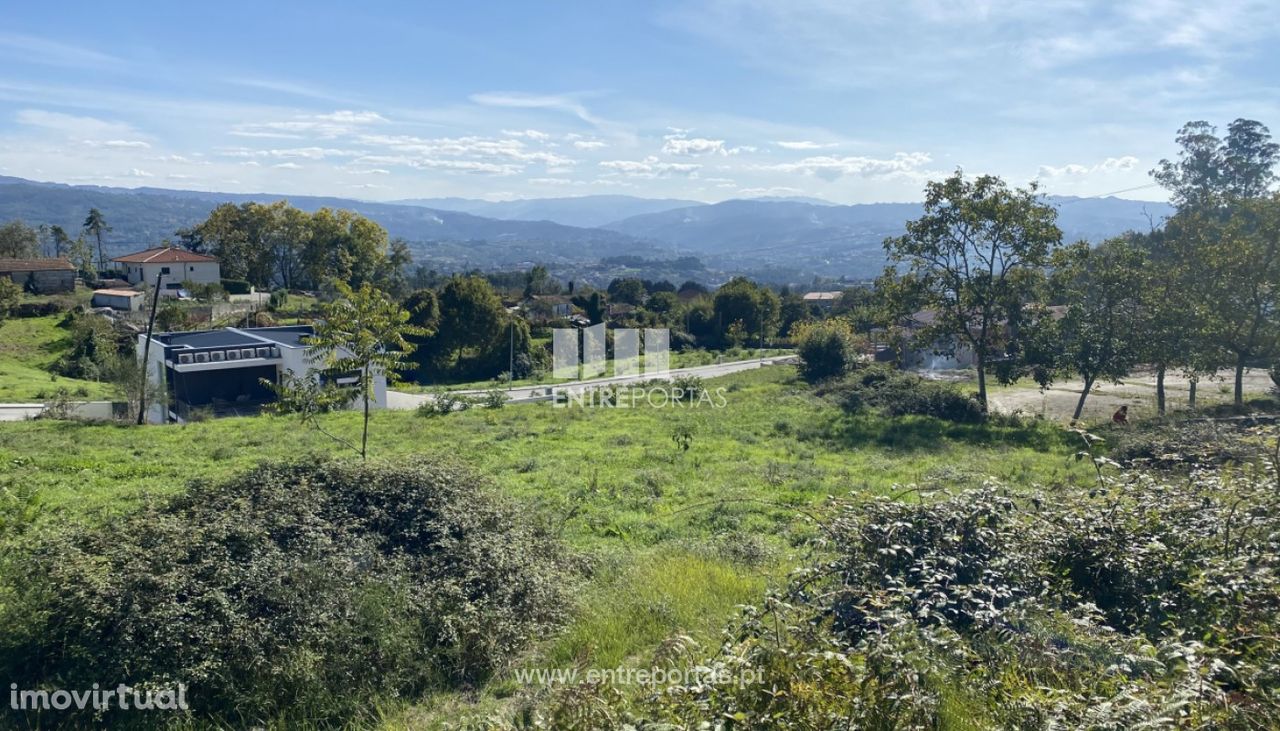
{"x":1160,"y":390}
{"x":1191,"y":393}
{"x":364,"y":436}
{"x":1239,"y":379}
{"x":982,"y":381}
{"x":1084,"y":394}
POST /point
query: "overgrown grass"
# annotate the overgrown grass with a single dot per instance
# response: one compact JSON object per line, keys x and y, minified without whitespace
{"x":680,"y":537}
{"x":28,"y":349}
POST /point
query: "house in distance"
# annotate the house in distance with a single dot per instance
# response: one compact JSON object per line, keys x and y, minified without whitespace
{"x":41,"y":276}
{"x":220,"y":372}
{"x":173,"y":265}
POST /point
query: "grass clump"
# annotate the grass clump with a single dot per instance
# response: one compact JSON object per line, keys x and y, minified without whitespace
{"x":292,"y":591}
{"x":893,"y":393}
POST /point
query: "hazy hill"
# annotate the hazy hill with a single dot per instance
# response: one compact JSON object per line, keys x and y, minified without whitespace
{"x":145,"y":216}
{"x":587,"y":211}
{"x":751,"y":225}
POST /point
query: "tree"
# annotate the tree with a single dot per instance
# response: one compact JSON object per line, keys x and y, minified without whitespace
{"x":18,"y":241}
{"x":1235,"y":294}
{"x":629,"y":290}
{"x":1210,"y":171}
{"x":471,"y":315}
{"x":81,"y":255}
{"x":757,"y":308}
{"x":593,"y":304}
{"x":95,"y":224}
{"x":1100,"y":336}
{"x":827,"y":349}
{"x":974,"y":258}
{"x":9,"y":295}
{"x":61,"y":241}
{"x":365,"y":333}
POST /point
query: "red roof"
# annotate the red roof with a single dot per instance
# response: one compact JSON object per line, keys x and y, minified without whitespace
{"x":35,"y":265}
{"x":163,"y":255}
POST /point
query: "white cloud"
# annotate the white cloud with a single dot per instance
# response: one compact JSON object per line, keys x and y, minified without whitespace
{"x":326,"y":126}
{"x":590,"y":144}
{"x":555,"y":102}
{"x":803,"y":145}
{"x":74,"y":126}
{"x":1109,"y":165}
{"x":649,"y":167}
{"x":136,"y":173}
{"x":678,"y":145}
{"x":54,"y":53}
{"x":531,"y":134}
{"x":287,"y":166}
{"x":830,"y":168}
{"x":551,"y":181}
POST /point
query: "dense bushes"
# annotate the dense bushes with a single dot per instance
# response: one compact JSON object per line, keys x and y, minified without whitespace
{"x":895,"y":393}
{"x":293,"y":591}
{"x":827,"y":349}
{"x":236,"y":286}
{"x":1140,"y":604}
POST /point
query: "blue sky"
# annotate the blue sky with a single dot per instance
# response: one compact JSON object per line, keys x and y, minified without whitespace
{"x":706,"y":99}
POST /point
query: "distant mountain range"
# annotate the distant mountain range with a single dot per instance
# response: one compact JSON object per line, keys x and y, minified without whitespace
{"x":587,"y":211}
{"x":793,"y":239}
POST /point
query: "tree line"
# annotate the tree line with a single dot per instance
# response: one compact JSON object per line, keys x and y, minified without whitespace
{"x":1195,"y":295}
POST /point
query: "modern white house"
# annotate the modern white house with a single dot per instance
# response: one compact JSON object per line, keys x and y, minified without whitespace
{"x":220,"y":372}
{"x":174,"y":266}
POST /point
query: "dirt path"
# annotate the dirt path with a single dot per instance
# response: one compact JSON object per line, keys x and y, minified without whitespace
{"x":1138,"y":391}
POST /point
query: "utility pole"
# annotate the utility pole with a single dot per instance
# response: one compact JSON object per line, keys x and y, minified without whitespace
{"x":146,"y":353}
{"x":511,"y":369}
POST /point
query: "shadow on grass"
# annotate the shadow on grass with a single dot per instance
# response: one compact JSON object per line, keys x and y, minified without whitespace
{"x":929,"y":434}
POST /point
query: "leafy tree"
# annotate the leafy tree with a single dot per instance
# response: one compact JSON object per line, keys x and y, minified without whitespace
{"x":827,"y":349}
{"x":539,"y":281}
{"x":974,"y":258}
{"x":365,"y":333}
{"x":691,"y":289}
{"x":61,"y":241}
{"x":593,"y":305}
{"x":9,"y":295}
{"x":1235,"y":293}
{"x":742,"y":301}
{"x":629,"y":290}
{"x":18,"y":241}
{"x":1210,"y":171}
{"x":81,"y":255}
{"x":663,"y":303}
{"x":1101,"y":334}
{"x":471,"y":315}
{"x":96,"y":225}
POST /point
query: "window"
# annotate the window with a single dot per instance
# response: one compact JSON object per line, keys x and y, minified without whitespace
{"x":164,"y":270}
{"x":191,"y":268}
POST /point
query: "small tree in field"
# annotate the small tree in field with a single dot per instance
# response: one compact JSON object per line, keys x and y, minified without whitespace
{"x":974,"y":258}
{"x":364,"y":332}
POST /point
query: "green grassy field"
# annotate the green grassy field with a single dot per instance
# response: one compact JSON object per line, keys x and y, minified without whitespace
{"x":679,"y":538}
{"x":28,"y":349}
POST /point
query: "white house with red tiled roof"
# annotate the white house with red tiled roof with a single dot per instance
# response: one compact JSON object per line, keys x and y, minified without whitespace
{"x":174,"y":265}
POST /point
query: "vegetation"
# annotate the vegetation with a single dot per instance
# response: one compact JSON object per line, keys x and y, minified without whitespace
{"x":319,"y":583}
{"x":364,"y":333}
{"x":975,"y":258}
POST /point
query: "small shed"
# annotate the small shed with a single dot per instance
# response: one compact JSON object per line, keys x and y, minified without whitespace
{"x":41,"y":276}
{"x":125,"y":300}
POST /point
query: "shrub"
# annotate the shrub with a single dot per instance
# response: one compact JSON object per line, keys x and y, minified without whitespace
{"x":236,"y":286}
{"x":294,"y":591}
{"x":827,"y":349}
{"x":1140,"y":604}
{"x":895,"y":393}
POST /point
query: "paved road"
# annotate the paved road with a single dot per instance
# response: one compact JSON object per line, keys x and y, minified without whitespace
{"x":404,"y":401}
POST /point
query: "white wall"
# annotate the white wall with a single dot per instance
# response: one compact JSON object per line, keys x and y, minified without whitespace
{"x":199,"y":272}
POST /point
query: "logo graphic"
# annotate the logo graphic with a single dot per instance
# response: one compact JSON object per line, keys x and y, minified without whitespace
{"x":579,"y":354}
